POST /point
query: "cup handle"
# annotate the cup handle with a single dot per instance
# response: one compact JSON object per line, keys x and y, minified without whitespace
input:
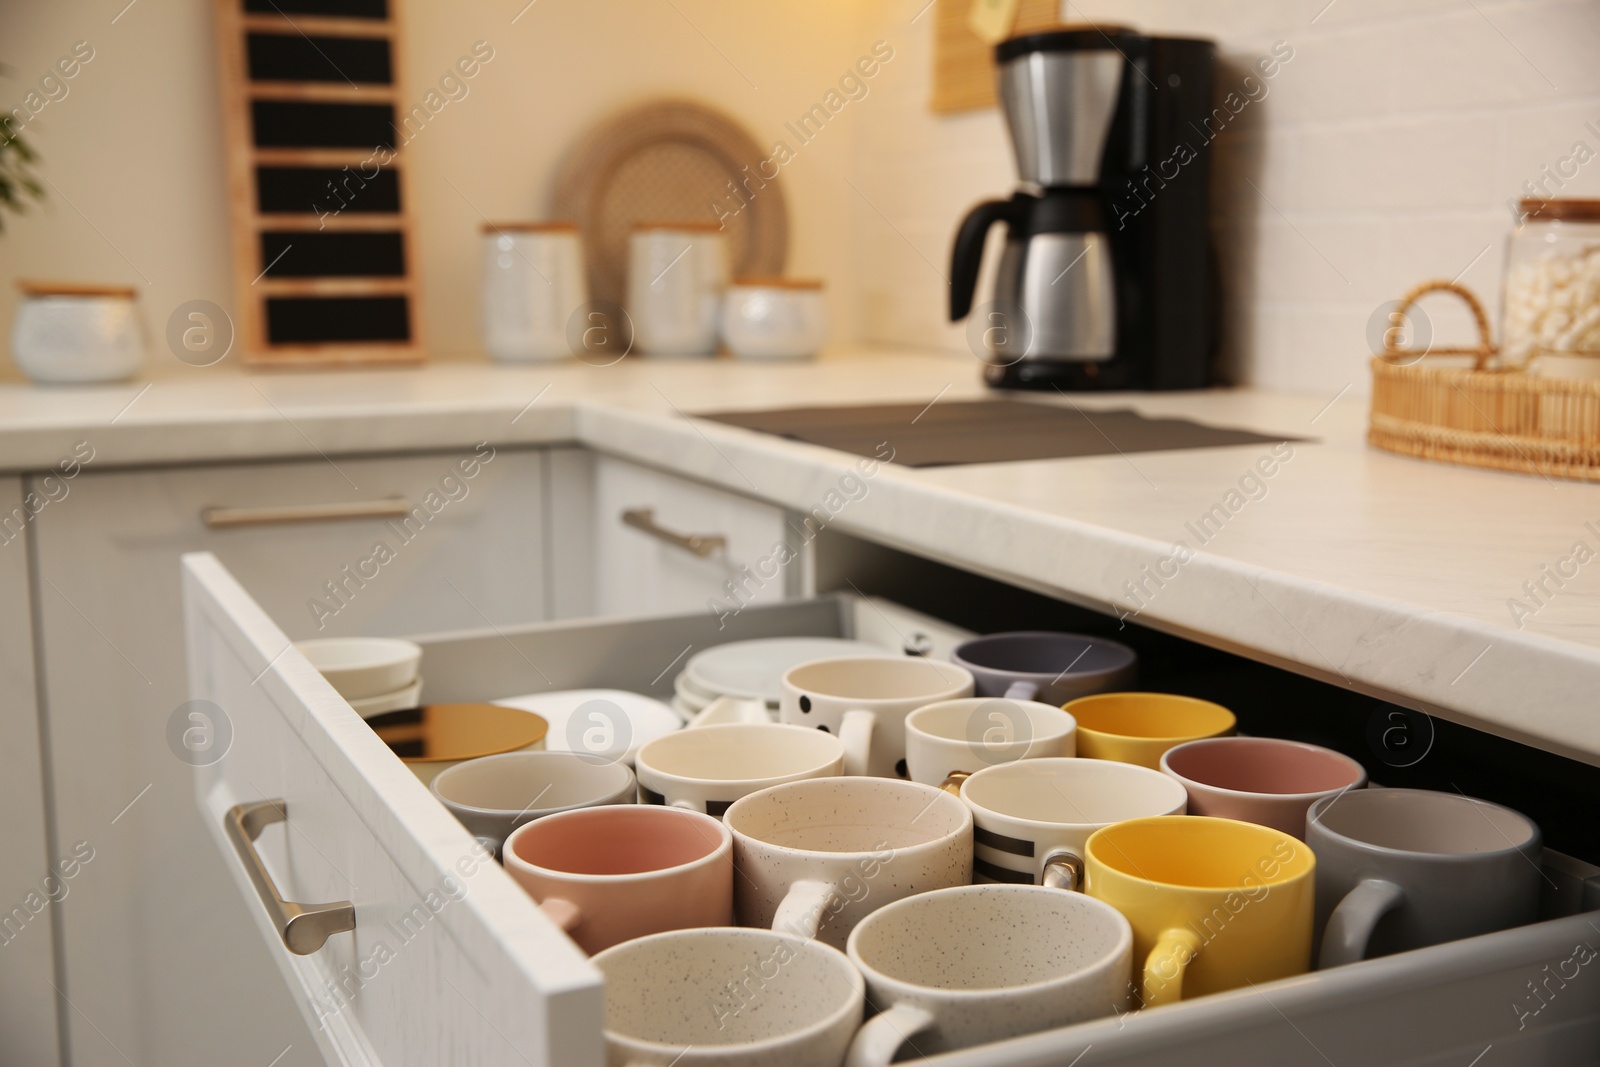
{"x":1162,"y":981}
{"x":1021,"y":691}
{"x":953,"y":780}
{"x":855,"y":730}
{"x":800,"y":911}
{"x":881,"y":1037}
{"x":1352,"y":922}
{"x":564,"y":913}
{"x":688,"y":805}
{"x":1062,"y":869}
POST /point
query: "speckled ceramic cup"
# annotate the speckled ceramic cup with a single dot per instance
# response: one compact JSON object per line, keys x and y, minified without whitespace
{"x":961,"y":967}
{"x":726,"y":997}
{"x":815,"y":857}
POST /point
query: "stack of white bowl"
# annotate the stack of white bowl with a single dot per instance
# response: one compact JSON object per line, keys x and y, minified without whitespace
{"x":724,"y":683}
{"x":375,"y":674}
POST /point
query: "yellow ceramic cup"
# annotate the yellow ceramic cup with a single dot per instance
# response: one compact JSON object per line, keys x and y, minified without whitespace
{"x":1215,"y":904}
{"x":1140,"y":727}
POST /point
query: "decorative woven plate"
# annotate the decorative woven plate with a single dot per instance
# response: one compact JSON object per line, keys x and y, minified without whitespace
{"x":671,"y":160}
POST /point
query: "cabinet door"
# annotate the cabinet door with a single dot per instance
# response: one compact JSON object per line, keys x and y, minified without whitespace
{"x":30,"y":881}
{"x":159,"y":957}
{"x":448,"y":960}
{"x":644,"y":564}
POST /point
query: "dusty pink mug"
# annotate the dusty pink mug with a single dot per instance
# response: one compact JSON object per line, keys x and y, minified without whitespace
{"x":611,"y":874}
{"x":1264,"y":780}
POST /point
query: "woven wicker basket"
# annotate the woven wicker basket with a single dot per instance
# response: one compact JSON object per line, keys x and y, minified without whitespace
{"x":1485,"y":415}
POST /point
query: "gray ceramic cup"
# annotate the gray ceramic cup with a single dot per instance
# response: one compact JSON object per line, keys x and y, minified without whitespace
{"x":1049,"y":667}
{"x":494,"y":795}
{"x":1399,"y":869}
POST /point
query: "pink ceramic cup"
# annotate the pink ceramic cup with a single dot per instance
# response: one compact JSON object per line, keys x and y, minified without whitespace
{"x":611,"y":874}
{"x":1264,"y":780}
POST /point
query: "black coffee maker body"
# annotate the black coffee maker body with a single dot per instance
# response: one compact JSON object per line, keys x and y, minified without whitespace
{"x":1107,"y":279}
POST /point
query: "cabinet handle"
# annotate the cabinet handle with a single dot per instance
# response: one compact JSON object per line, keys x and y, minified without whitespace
{"x":304,"y":927}
{"x":702,"y":545}
{"x":388,"y":508}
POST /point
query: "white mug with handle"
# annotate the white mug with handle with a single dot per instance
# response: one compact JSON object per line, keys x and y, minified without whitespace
{"x":864,"y":701}
{"x":969,"y":965}
{"x":814,"y":857}
{"x":709,"y":767}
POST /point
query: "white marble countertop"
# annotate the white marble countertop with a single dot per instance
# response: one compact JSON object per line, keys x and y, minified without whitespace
{"x":1391,"y":575}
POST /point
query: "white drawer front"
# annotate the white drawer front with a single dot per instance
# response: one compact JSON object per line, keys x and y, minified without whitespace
{"x":640,"y":572}
{"x":449,"y":962}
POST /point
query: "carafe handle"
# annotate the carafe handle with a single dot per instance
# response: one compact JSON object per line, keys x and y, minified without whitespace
{"x":967,"y":255}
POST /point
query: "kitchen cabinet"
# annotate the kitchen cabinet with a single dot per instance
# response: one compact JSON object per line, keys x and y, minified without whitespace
{"x":157,"y":950}
{"x":663,"y":543}
{"x":31,"y":885}
{"x":448,"y":961}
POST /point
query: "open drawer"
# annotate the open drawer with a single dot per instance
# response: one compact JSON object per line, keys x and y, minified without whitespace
{"x":450,"y":962}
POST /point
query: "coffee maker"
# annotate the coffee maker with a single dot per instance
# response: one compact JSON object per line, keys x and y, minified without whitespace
{"x":1107,"y":279}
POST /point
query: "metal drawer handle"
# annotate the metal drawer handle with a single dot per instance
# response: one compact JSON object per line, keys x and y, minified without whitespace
{"x":388,"y":508}
{"x":304,"y":927}
{"x":701,"y":545}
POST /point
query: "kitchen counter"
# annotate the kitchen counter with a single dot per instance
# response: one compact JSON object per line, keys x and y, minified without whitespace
{"x":1394,"y":576}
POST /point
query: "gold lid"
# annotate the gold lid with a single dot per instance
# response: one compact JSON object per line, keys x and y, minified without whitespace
{"x":436,"y":733}
{"x":38,"y":288}
{"x":530,"y":227}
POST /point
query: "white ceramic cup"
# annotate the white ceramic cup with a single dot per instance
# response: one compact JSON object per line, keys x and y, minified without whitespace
{"x":709,"y":767}
{"x":864,"y":701}
{"x":1031,"y":819}
{"x":964,"y":736}
{"x":676,"y":275}
{"x":533,"y":280}
{"x":69,"y":334}
{"x":726,"y":997}
{"x":965,"y":966}
{"x":774,"y":318}
{"x":494,"y":795}
{"x":814,"y":857}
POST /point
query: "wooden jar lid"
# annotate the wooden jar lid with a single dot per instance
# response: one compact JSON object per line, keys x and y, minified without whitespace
{"x":38,"y":288}
{"x":769,"y":281}
{"x":685,"y":225}
{"x":1537,"y":210}
{"x":530,"y":227}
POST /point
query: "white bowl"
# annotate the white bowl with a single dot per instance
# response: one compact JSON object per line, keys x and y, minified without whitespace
{"x":777,"y":318}
{"x":399,"y":700}
{"x":363,"y":667}
{"x":72,"y":337}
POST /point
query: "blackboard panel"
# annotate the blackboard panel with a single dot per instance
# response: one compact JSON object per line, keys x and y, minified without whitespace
{"x":292,"y":124}
{"x":281,"y":57}
{"x":326,"y":190}
{"x":295,"y":320}
{"x":331,"y":254}
{"x":345,"y":9}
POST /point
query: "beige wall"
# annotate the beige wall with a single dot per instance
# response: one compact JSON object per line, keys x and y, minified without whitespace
{"x":1382,"y":153}
{"x":134,"y":149}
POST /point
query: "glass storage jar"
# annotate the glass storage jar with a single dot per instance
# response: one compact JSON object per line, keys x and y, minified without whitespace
{"x":1550,"y":314}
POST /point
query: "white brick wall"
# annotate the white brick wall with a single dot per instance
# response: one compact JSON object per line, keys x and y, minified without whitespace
{"x":1383,"y":154}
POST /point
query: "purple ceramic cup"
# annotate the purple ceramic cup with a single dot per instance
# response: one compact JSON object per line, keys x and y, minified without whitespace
{"x":1046,"y":666}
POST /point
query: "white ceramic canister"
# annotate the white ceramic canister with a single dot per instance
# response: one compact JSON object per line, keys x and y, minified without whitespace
{"x":677,"y":272}
{"x":774,"y":318}
{"x":533,"y":281}
{"x":67,"y":333}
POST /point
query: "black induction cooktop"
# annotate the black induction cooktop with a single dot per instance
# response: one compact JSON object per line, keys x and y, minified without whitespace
{"x":985,"y":431}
